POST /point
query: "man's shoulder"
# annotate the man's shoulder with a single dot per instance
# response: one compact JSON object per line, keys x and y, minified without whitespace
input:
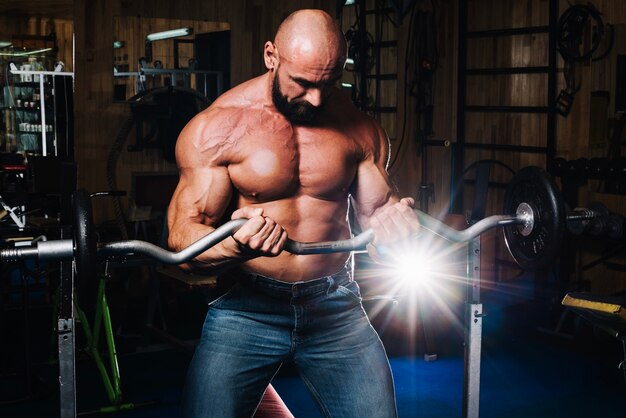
{"x":222,"y":122}
{"x":346,"y":113}
{"x":242,"y":95}
{"x":368,"y":135}
{"x":234,"y":104}
{"x":343,"y":106}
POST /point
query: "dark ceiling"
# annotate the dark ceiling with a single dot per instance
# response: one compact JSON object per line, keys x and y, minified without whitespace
{"x":62,"y":9}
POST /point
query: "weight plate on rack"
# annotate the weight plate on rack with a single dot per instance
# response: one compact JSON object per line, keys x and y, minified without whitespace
{"x":539,"y":247}
{"x":85,"y":251}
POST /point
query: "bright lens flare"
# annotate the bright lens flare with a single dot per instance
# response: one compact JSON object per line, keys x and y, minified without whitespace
{"x":413,"y":270}
{"x":427,"y":275}
{"x":424,"y":265}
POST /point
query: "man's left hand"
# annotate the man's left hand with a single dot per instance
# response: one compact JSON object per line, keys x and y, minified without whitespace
{"x":392,"y":225}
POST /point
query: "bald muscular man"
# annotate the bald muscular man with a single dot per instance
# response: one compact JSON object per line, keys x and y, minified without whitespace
{"x":287,"y":150}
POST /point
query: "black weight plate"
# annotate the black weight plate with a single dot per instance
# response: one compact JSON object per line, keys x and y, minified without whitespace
{"x":598,"y":225}
{"x":615,"y":226}
{"x":85,"y":250}
{"x":540,"y":247}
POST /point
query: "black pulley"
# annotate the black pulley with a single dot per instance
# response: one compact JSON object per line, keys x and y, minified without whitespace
{"x":533,"y":193}
{"x":85,"y":250}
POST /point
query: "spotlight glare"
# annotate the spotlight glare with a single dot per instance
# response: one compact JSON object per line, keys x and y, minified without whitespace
{"x":413,"y":270}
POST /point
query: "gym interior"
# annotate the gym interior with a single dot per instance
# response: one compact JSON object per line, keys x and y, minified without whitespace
{"x":505,"y":121}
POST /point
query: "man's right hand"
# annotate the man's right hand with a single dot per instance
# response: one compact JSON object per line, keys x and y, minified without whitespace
{"x":261,"y":236}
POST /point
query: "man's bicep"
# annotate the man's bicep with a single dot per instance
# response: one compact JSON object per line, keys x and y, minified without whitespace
{"x":200,"y":199}
{"x":372,"y":190}
{"x":204,"y":187}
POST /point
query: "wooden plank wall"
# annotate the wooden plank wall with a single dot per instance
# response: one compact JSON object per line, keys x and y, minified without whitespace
{"x":597,"y":75}
{"x":572,"y":132}
{"x":28,"y":25}
{"x":389,"y":27}
{"x":98,"y":119}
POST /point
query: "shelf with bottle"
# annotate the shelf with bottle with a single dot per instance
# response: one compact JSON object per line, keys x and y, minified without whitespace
{"x":25,"y":96}
{"x":32,"y":84}
{"x":26,"y":127}
{"x":33,"y":115}
{"x":24,"y":108}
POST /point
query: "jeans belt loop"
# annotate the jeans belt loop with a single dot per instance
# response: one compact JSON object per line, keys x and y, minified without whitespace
{"x":332,"y":285}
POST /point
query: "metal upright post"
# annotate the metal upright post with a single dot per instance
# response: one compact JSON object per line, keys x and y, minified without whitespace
{"x":473,"y":333}
{"x":65,"y":324}
{"x":65,"y":330}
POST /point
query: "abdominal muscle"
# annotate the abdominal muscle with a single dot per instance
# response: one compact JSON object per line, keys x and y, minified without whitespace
{"x":295,"y":268}
{"x":305,"y":219}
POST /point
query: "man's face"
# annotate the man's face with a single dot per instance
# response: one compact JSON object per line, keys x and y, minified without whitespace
{"x":296,"y":110}
{"x":299,"y":90}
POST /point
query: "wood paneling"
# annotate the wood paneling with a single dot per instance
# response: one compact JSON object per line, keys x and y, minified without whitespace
{"x":57,"y":9}
{"x":573,"y":132}
{"x":24,"y":25}
{"x":98,"y":120}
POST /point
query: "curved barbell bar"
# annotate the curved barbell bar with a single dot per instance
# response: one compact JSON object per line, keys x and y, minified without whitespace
{"x":64,"y":249}
{"x":221,"y":233}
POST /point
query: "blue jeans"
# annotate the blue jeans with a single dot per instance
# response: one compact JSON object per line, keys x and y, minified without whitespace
{"x":319,"y":325}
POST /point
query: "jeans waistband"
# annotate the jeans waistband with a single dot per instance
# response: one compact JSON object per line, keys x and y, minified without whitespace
{"x":312,"y":287}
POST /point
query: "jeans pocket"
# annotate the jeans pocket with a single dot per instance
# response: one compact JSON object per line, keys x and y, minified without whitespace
{"x":351,"y":290}
{"x":229,"y":293}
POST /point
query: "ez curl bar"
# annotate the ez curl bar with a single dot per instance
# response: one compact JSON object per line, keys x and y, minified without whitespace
{"x":533,"y":231}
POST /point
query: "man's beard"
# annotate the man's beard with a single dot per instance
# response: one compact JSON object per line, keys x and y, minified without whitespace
{"x":297,"y":111}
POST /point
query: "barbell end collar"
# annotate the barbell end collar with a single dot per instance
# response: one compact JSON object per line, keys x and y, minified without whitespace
{"x":54,"y":250}
{"x":526,"y":216}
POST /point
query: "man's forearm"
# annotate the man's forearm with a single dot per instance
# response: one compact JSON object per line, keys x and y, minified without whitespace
{"x":221,"y":256}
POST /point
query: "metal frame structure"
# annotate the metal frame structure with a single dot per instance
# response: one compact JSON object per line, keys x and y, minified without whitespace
{"x":462,"y":143}
{"x":174,"y":74}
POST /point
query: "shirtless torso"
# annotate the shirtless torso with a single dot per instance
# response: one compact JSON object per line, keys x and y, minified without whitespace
{"x":241,"y":152}
{"x":286,"y":150}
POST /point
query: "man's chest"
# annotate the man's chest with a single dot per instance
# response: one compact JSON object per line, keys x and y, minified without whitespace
{"x":317,"y":162}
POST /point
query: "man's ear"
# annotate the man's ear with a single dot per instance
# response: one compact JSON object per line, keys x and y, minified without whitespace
{"x":270,"y":55}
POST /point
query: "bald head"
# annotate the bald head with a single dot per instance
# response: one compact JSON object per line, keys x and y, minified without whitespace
{"x":311,"y":35}
{"x":305,"y":61}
